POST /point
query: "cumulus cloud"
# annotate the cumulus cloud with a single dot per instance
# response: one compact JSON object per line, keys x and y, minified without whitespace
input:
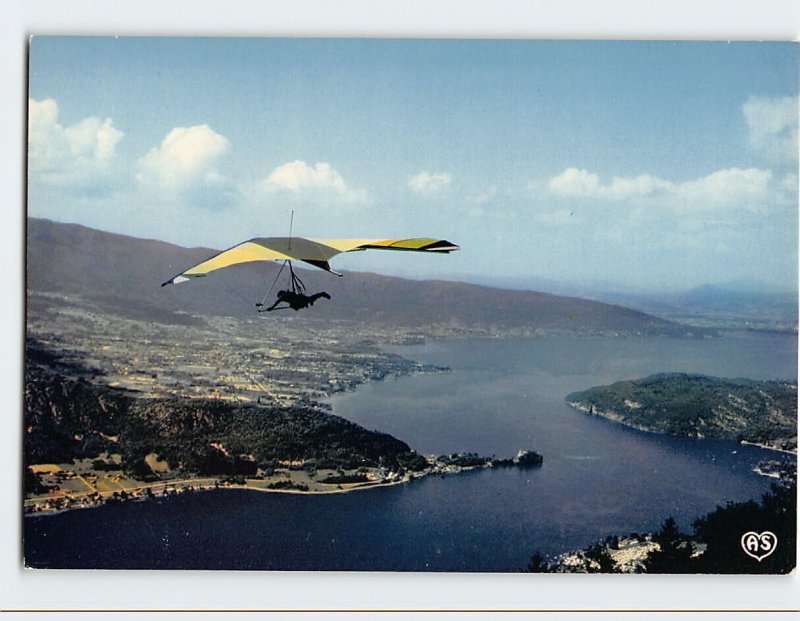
{"x":430,"y":184}
{"x":79,"y":156}
{"x":772,"y":124}
{"x":750,"y":189}
{"x":580,"y":183}
{"x":575,"y":182}
{"x":320,"y":180}
{"x":184,"y":165}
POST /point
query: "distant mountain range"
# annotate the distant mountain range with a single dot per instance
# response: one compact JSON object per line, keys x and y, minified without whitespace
{"x":730,"y":297}
{"x":736,"y":304}
{"x":124,"y":274}
{"x":733,"y":305}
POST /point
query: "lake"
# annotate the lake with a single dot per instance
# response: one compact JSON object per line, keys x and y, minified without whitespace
{"x":501,"y":395}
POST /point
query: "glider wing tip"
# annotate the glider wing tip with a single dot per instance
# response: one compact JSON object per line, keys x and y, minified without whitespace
{"x":445,"y":247}
{"x":174,"y":280}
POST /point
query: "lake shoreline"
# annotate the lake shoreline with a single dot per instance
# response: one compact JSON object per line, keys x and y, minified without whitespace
{"x":501,"y":394}
{"x":166,"y":489}
{"x":287,"y":482}
{"x":619,"y":419}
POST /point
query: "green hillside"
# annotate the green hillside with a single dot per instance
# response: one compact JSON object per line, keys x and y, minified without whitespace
{"x":699,"y":406}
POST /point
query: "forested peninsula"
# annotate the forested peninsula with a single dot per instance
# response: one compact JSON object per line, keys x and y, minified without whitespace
{"x":680,"y":404}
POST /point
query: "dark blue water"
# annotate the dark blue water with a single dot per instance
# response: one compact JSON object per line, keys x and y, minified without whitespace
{"x":502,"y":395}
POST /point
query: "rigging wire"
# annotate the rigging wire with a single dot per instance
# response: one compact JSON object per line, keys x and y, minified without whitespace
{"x":272,"y":286}
{"x":291,"y":224}
{"x":296,"y":285}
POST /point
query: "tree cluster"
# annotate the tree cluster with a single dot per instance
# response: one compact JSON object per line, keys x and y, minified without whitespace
{"x":715,"y":546}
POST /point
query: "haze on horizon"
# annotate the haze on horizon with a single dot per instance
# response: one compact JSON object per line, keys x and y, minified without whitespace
{"x":655,"y":165}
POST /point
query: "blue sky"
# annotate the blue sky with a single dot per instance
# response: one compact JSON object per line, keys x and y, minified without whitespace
{"x":656,"y":165}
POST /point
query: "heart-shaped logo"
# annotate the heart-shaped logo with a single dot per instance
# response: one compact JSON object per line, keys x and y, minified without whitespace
{"x":759,"y":545}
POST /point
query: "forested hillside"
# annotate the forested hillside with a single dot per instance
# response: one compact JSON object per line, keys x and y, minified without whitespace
{"x":67,"y":416}
{"x":696,"y":405}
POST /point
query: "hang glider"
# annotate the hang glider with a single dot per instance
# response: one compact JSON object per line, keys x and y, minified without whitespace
{"x":317,"y":253}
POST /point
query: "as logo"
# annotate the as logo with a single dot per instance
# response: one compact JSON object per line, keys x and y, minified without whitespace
{"x":759,"y":545}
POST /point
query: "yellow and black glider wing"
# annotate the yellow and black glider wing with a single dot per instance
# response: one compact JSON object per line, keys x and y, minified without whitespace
{"x":314,"y":252}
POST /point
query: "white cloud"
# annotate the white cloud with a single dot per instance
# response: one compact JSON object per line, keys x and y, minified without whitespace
{"x":185,"y":162}
{"x":320,"y":180}
{"x":575,"y":182}
{"x":750,"y":189}
{"x":580,"y":183}
{"x":772,"y":124}
{"x":80,"y":156}
{"x":430,"y":184}
{"x":641,"y":185}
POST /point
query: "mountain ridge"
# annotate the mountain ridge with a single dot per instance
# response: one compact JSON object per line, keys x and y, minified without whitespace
{"x":124,"y":273}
